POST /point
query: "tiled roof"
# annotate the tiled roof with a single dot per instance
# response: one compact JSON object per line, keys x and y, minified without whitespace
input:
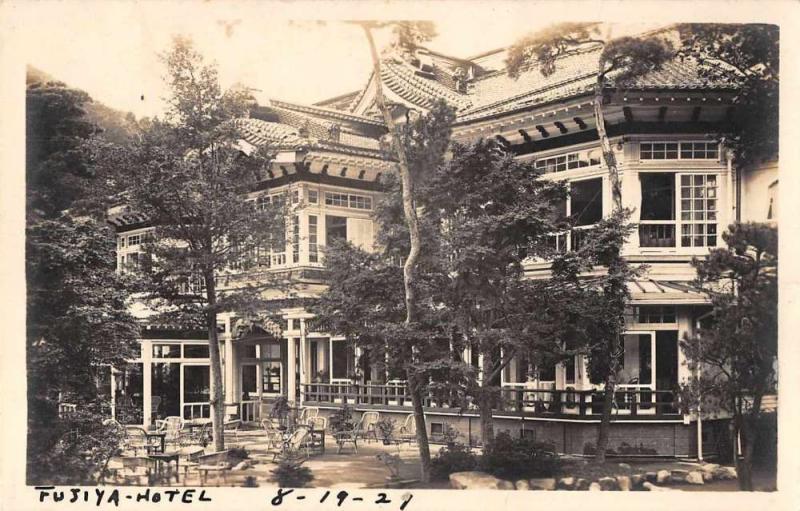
{"x":403,"y":80}
{"x":284,"y":136}
{"x":496,"y":93}
{"x":326,"y":112}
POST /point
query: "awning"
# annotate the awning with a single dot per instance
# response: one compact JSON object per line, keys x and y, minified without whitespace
{"x":660,"y":292}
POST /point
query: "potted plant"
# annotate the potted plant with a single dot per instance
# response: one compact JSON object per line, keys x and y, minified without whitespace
{"x":385,"y":428}
{"x":280,"y":410}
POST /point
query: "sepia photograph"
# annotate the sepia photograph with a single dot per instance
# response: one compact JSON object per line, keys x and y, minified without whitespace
{"x":469,"y":252}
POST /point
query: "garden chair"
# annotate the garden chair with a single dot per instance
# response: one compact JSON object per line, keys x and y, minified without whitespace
{"x":297,"y":442}
{"x":408,"y":431}
{"x":369,"y":421}
{"x":308,"y":413}
{"x":190,"y":458}
{"x":173,"y":427}
{"x":274,"y":435}
{"x":349,"y":436}
{"x":136,"y":438}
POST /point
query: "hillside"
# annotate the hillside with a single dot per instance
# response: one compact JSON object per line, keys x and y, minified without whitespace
{"x":117,"y":126}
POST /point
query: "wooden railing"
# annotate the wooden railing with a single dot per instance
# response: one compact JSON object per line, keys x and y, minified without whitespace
{"x":534,"y":402}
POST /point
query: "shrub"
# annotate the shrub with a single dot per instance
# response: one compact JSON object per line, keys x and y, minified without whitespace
{"x":386,"y":428}
{"x":238,"y":453}
{"x":455,"y":457}
{"x":341,"y":420}
{"x":518,"y":458}
{"x":290,"y":472}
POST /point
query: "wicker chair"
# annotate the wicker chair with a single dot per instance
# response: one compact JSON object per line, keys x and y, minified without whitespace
{"x":369,"y":421}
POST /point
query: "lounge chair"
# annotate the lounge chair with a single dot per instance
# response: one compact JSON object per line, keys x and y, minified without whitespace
{"x":217,"y":462}
{"x":297,"y":442}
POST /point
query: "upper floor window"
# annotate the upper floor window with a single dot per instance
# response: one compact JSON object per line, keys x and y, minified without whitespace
{"x":567,"y":161}
{"x":679,"y":151}
{"x":313,"y":197}
{"x":344,"y":200}
{"x":134,"y":239}
{"x":695,"y":204}
{"x":654,"y":314}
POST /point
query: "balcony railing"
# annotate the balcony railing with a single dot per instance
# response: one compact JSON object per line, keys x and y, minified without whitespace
{"x":657,"y":235}
{"x":518,"y":401}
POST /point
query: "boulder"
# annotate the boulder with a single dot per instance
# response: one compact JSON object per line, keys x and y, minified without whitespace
{"x":242,"y":465}
{"x":473,"y":481}
{"x":707,"y":476}
{"x":624,"y":483}
{"x":522,"y":484}
{"x":694,"y":477}
{"x":624,"y":466}
{"x":543,"y":484}
{"x":566,"y":483}
{"x":663,"y":476}
{"x":607,"y":483}
{"x":637,"y":480}
{"x":709,"y":467}
{"x":648,"y":486}
{"x":725,"y":473}
{"x":651,"y":477}
{"x":582,"y":484}
{"x":595,"y":487}
{"x":678,"y":476}
{"x":505,"y":485}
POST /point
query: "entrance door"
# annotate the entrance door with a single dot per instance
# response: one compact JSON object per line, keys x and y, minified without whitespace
{"x":666,"y":369}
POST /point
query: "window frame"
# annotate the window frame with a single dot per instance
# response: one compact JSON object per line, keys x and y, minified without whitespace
{"x":679,"y":150}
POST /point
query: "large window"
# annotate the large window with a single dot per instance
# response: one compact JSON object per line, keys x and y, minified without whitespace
{"x":196,"y":384}
{"x":335,"y":228}
{"x":696,"y":218}
{"x":586,"y":201}
{"x":313,"y":250}
{"x":295,"y":239}
{"x":166,"y":381}
{"x":569,"y":161}
{"x":699,"y":210}
{"x":341,"y":359}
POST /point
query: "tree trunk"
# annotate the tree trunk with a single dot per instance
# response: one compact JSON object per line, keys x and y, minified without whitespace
{"x":412,"y":221}
{"x":616,"y":194}
{"x":422,"y":429}
{"x":747,"y":426}
{"x":217,"y":398}
{"x":605,"y":420}
{"x":485,"y":402}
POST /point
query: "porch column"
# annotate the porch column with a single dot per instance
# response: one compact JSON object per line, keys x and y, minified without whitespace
{"x":229,"y":374}
{"x":305,"y":357}
{"x":291,"y":380}
{"x":147,"y":383}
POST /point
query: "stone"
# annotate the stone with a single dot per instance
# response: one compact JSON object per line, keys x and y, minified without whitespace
{"x":695,"y":477}
{"x":709,"y":467}
{"x":637,"y":480}
{"x":678,"y":476}
{"x":663,"y":476}
{"x":547,"y":484}
{"x":624,"y":483}
{"x":725,"y":473}
{"x":607,"y":483}
{"x":242,"y":465}
{"x":566,"y":483}
{"x":651,"y":477}
{"x":473,"y":481}
{"x":595,"y":487}
{"x":522,"y":484}
{"x":707,"y":476}
{"x":505,"y":485}
{"x":581,"y":484}
{"x":624,"y":466}
{"x":648,"y":486}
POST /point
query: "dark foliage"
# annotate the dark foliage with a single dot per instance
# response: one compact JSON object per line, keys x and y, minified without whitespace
{"x":290,"y":472}
{"x":453,"y":458}
{"x":513,"y":458}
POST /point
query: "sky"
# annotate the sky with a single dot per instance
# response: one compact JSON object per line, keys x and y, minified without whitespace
{"x":111,"y":50}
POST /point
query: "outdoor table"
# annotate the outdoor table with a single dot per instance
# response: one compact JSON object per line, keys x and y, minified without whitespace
{"x":162,"y":436}
{"x":163,"y":458}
